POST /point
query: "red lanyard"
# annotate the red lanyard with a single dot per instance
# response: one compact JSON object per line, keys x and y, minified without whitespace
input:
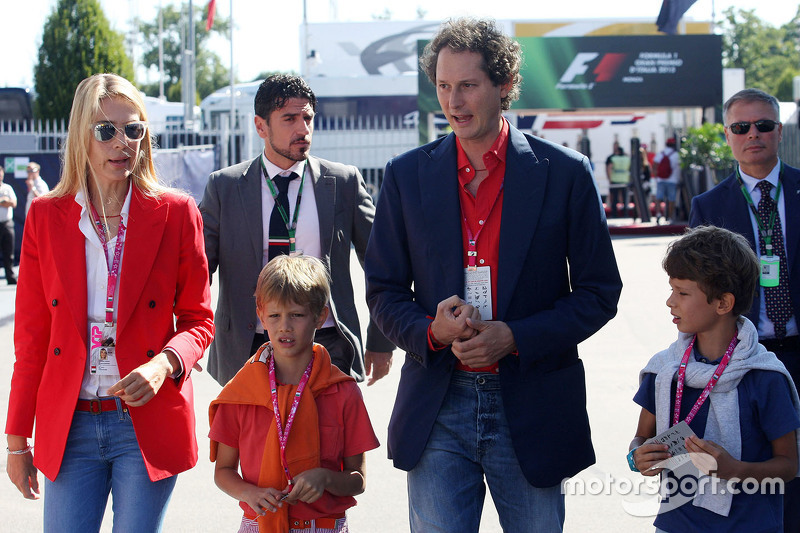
{"x":472,"y":240}
{"x":710,"y":385}
{"x":113,"y":272}
{"x":283,"y":434}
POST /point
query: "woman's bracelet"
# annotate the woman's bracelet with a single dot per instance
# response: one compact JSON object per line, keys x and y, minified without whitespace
{"x":20,"y":452}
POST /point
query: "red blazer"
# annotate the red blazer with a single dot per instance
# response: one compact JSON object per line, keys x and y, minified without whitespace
{"x":164,"y":273}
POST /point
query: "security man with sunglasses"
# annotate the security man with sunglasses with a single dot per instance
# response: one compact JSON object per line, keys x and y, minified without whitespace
{"x":761,"y":200}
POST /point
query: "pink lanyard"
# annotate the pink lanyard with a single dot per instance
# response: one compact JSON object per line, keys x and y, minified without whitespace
{"x":113,"y":272}
{"x":472,"y":241}
{"x":710,"y":385}
{"x":283,"y":434}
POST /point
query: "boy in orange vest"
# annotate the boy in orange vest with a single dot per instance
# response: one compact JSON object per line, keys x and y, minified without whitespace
{"x":293,"y":424}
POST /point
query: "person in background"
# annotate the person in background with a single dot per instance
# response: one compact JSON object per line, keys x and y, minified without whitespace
{"x":667,"y":187}
{"x":618,"y":168}
{"x":8,"y":201}
{"x":36,"y":185}
{"x":286,"y":201}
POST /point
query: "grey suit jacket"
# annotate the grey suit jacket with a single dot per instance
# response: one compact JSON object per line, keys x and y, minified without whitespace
{"x":233,"y":231}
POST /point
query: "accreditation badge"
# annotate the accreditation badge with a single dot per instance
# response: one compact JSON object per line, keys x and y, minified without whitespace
{"x":770,"y":270}
{"x":102,"y":356}
{"x":478,"y":290}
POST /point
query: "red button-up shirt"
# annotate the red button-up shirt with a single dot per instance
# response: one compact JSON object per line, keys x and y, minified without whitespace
{"x":482,"y":213}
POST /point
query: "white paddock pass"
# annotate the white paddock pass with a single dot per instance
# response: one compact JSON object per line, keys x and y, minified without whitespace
{"x":478,"y":290}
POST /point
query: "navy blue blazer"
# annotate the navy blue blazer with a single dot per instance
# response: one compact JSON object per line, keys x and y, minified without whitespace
{"x":558,"y":284}
{"x":724,"y":206}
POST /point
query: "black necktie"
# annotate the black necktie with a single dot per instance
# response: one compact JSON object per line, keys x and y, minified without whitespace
{"x":278,"y":230}
{"x":779,"y":306}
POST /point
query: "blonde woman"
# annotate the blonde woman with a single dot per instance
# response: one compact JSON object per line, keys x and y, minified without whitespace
{"x":111,"y":260}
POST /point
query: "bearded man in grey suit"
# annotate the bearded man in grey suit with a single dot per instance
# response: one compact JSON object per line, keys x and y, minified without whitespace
{"x":328,"y":210}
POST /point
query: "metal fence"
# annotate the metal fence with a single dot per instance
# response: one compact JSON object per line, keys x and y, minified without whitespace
{"x":789,"y":150}
{"x":365,"y":142}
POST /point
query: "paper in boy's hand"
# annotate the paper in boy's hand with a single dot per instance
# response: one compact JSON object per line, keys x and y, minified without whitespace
{"x":674,"y":437}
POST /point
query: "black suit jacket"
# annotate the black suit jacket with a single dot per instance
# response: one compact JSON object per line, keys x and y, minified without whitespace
{"x":724,"y":206}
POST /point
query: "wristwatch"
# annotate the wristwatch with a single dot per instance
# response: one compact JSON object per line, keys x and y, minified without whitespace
{"x":631,"y":461}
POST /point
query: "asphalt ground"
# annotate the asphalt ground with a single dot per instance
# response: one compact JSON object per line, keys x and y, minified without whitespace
{"x":600,"y":499}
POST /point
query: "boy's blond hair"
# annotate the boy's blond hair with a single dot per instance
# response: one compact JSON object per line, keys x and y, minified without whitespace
{"x":300,"y":279}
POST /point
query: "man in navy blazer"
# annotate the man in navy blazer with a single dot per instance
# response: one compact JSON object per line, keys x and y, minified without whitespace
{"x":489,"y":261}
{"x":753,"y":131}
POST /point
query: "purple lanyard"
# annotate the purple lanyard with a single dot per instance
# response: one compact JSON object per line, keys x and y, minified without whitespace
{"x":113,"y":272}
{"x":710,"y":385}
{"x":283,"y":434}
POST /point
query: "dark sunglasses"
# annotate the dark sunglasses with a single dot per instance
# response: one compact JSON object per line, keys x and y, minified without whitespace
{"x":764,"y":126}
{"x":105,"y":131}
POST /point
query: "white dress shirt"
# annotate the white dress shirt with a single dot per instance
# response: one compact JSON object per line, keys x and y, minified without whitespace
{"x":307,"y":236}
{"x":94,"y":385}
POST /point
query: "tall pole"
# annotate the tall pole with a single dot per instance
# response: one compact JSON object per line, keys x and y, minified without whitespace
{"x":189,"y":79}
{"x":233,"y":77}
{"x":184,"y":66}
{"x":304,"y":66}
{"x":161,"y":51}
{"x":713,"y":17}
{"x":231,"y":152}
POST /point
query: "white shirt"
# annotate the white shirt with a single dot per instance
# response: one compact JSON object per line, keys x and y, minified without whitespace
{"x":765,"y":328}
{"x":40,"y":186}
{"x":7,"y":193}
{"x":93,"y":385}
{"x":307,"y":236}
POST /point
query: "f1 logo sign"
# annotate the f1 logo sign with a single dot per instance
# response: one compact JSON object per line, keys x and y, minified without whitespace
{"x":578,"y":66}
{"x":604,"y":71}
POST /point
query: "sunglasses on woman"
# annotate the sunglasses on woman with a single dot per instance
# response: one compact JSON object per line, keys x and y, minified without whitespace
{"x":764,"y":126}
{"x":105,"y":131}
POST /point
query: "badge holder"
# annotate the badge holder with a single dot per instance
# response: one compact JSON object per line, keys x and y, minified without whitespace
{"x":770,"y":270}
{"x":103,"y":355}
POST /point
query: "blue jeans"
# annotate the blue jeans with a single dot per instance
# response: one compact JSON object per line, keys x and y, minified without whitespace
{"x":666,"y":191}
{"x":470,"y":442}
{"x":102,"y":455}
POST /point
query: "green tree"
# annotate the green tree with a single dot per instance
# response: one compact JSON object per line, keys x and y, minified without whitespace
{"x":706,"y":147}
{"x":765,"y":53}
{"x":77,"y":42}
{"x":792,"y":31}
{"x":210,"y":73}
